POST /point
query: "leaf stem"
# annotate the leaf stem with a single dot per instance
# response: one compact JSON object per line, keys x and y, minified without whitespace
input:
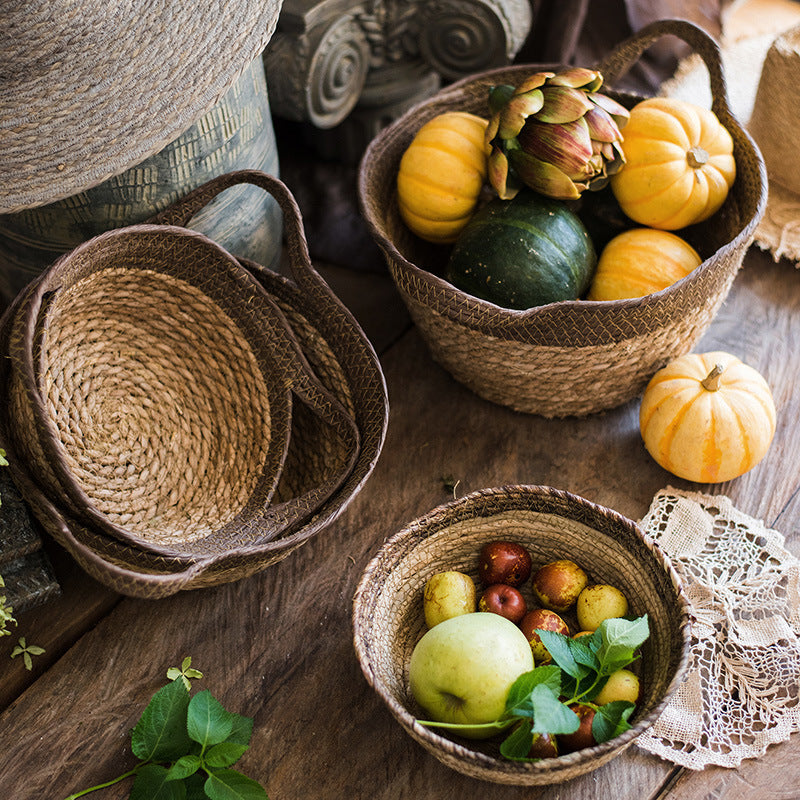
{"x":577,"y":697}
{"x":107,"y":784}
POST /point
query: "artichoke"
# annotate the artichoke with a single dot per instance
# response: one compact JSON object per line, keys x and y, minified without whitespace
{"x":554,"y":133}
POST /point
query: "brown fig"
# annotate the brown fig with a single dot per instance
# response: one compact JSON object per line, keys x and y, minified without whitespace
{"x":541,"y":619}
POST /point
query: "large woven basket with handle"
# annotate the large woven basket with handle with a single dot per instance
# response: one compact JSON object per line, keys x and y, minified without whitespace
{"x":573,"y":357}
{"x":178,"y":418}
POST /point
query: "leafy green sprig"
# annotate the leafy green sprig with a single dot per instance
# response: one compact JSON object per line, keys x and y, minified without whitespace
{"x":186,"y":748}
{"x":539,"y":701}
{"x":6,"y":611}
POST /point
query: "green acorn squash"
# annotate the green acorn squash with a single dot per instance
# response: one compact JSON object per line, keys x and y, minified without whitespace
{"x":524,"y":252}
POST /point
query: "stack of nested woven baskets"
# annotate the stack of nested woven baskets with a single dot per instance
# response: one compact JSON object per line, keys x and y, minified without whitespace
{"x":178,"y":418}
{"x":572,"y":357}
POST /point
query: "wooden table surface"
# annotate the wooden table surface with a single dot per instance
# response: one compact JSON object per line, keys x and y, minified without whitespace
{"x":278,"y":646}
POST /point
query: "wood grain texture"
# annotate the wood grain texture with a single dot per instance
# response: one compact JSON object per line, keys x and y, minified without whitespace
{"x":55,"y":625}
{"x":278,"y":646}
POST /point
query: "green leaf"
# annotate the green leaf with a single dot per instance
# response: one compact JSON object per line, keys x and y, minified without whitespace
{"x":583,"y":654}
{"x":499,"y":96}
{"x":207,"y":721}
{"x":160,"y":734}
{"x":518,"y":702}
{"x":517,"y":744}
{"x":620,"y":638}
{"x":242,"y":729}
{"x":611,"y":719}
{"x":231,"y":785}
{"x":151,"y":783}
{"x":196,"y":787}
{"x":560,"y":648}
{"x":224,"y":754}
{"x":550,"y":715}
{"x":184,"y":767}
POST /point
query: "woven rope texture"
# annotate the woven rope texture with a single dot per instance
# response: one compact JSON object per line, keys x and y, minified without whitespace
{"x":91,"y":89}
{"x":179,"y":420}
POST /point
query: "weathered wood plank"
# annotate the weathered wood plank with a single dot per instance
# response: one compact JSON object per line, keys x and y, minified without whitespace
{"x":372,"y":299}
{"x":55,"y":625}
{"x":278,"y":646}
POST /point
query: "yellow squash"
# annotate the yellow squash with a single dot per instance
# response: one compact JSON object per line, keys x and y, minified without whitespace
{"x":707,"y":417}
{"x":441,"y":175}
{"x":639,"y":262}
{"x":679,"y":164}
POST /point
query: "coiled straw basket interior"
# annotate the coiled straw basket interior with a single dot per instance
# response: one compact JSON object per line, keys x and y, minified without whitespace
{"x":574,"y":357}
{"x":388,"y":617}
{"x":177,"y":418}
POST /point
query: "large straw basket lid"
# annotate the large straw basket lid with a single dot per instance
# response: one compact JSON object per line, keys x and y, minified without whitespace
{"x":573,"y":357}
{"x":210,"y":353}
{"x":91,"y":88}
{"x":388,"y":618}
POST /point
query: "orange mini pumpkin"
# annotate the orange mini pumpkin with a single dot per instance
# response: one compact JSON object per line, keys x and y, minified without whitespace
{"x":707,"y":417}
{"x":679,"y":164}
{"x":641,"y":261}
{"x":441,"y":174}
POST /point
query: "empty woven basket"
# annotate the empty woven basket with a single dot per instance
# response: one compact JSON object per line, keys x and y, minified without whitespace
{"x":572,"y":357}
{"x":251,"y":427}
{"x":388,"y":617}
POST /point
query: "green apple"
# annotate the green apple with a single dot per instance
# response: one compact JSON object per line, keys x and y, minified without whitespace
{"x":448,"y":594}
{"x":462,"y":669}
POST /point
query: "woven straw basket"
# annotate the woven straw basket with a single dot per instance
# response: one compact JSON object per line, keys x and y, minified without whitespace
{"x":388,"y":617}
{"x":575,"y":357}
{"x":178,"y":418}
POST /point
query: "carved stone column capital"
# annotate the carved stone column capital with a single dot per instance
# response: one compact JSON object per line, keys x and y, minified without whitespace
{"x":461,"y":37}
{"x":317,"y":74}
{"x":332,"y":60}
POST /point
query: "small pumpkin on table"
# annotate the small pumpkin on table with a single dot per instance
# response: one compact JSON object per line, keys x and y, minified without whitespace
{"x":707,"y":417}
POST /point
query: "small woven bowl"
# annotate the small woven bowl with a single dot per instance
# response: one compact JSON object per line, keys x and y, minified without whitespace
{"x":388,"y":617}
{"x":153,"y":387}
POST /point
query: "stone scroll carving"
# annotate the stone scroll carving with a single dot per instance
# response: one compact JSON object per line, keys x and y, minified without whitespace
{"x":354,"y":67}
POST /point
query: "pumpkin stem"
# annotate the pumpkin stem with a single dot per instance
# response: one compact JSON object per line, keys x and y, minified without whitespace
{"x":711,"y":381}
{"x":696,"y":157}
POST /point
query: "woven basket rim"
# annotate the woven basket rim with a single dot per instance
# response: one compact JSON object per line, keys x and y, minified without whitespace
{"x":441,"y":517}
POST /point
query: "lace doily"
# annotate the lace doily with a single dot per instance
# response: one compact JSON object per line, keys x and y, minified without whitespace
{"x":740,"y":693}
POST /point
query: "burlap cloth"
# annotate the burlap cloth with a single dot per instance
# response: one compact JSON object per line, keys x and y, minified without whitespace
{"x":740,"y":693}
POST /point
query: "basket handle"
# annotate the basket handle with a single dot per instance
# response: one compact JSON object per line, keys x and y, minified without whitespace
{"x":282,"y":517}
{"x":182,"y":211}
{"x":617,"y":63}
